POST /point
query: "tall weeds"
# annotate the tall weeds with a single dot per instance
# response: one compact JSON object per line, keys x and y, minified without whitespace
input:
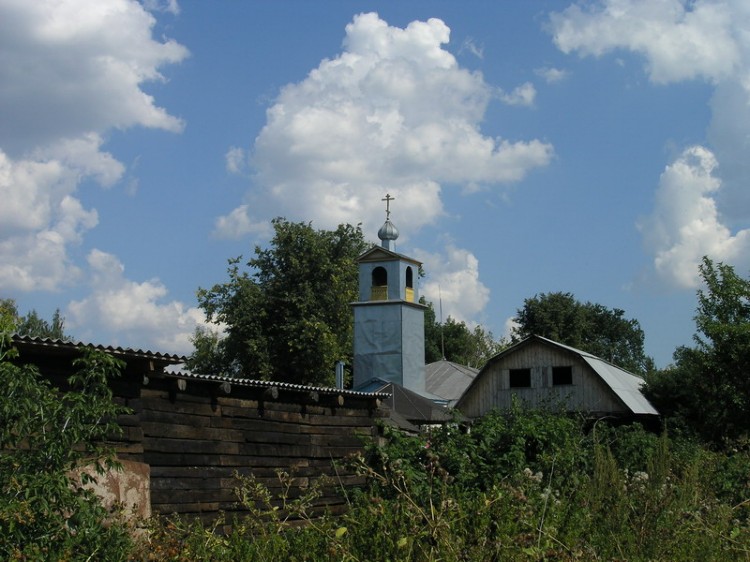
{"x":530,"y":486}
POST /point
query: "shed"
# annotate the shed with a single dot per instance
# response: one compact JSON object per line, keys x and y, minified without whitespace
{"x":188,"y":434}
{"x":541,"y":372}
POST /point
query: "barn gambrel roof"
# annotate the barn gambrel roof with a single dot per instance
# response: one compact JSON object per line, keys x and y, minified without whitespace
{"x":625,"y":385}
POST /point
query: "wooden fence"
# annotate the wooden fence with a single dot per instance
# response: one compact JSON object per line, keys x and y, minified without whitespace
{"x":188,"y":436}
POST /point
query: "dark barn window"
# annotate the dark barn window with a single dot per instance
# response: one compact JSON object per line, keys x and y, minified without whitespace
{"x":520,"y":378}
{"x":562,"y":375}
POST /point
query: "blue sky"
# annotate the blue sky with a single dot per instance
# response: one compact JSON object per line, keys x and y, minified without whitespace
{"x":596,"y":148}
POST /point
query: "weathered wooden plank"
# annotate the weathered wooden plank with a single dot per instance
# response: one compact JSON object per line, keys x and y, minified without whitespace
{"x":188,"y":508}
{"x":274,"y":450}
{"x":315,"y":419}
{"x":125,"y":447}
{"x":178,"y":407}
{"x":367,"y":430}
{"x":128,"y":420}
{"x":337,"y":440}
{"x":178,"y":418}
{"x":159,"y":459}
{"x":202,"y":446}
{"x":258,"y":424}
{"x":190,"y":472}
{"x":277,"y":439}
{"x":160,"y":496}
{"x":182,"y":431}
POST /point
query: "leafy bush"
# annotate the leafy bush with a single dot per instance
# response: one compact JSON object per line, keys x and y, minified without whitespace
{"x":46,"y":513}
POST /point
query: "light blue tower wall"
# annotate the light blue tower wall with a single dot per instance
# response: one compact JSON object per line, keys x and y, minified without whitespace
{"x":397,"y":270}
{"x":389,"y":321}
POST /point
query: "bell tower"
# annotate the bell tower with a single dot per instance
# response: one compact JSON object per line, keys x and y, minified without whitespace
{"x":388,"y":319}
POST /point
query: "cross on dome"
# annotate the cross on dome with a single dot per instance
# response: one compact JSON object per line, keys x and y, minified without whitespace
{"x":388,"y":200}
{"x":388,"y":233}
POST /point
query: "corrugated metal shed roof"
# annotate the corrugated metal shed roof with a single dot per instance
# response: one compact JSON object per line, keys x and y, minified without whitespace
{"x":253,"y":383}
{"x":52,"y":345}
{"x":448,"y":380}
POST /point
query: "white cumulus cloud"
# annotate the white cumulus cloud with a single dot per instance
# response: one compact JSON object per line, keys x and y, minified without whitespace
{"x":453,"y":278}
{"x":551,"y":75}
{"x":685,"y":40}
{"x":236,"y":160}
{"x":70,"y":70}
{"x":679,"y":40}
{"x":133,"y":314}
{"x":686,"y":224}
{"x":393,"y":112}
{"x":523,"y":95}
{"x":239,"y":223}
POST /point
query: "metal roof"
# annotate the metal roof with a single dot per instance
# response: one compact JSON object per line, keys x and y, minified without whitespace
{"x":625,"y":385}
{"x":52,"y":345}
{"x":406,"y":403}
{"x":448,"y":380}
{"x":379,"y":253}
{"x":254,"y":383}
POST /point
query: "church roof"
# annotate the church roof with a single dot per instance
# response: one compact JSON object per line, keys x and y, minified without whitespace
{"x":407,"y":404}
{"x":448,"y":380}
{"x":378,"y":253}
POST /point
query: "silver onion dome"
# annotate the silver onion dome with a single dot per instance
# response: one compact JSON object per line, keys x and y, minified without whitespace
{"x":388,"y":232}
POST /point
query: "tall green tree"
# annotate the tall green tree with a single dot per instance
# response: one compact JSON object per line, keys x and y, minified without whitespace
{"x":288,"y":317}
{"x":31,"y":324}
{"x":591,"y":327}
{"x":456,"y":342}
{"x":708,"y":386}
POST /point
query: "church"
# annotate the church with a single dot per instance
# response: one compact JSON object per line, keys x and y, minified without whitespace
{"x":389,"y":332}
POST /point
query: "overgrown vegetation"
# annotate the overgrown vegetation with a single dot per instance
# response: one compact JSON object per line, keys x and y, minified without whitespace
{"x":523,"y":486}
{"x":46,"y":510}
{"x":707,"y":390}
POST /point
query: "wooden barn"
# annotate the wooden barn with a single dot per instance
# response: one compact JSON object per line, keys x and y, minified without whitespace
{"x":540,"y":372}
{"x":189,"y":434}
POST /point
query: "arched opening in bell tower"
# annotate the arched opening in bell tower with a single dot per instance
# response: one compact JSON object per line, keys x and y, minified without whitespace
{"x":409,"y":284}
{"x":379,"y":291}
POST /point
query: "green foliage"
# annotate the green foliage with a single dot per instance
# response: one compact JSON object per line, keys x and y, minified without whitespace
{"x":461,"y":344}
{"x":289,"y":318}
{"x":707,"y":390}
{"x":45,"y":438}
{"x":590,"y":327}
{"x":31,"y":324}
{"x":547,"y":487}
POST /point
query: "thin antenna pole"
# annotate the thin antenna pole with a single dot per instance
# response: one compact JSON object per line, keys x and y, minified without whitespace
{"x":442,"y":331}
